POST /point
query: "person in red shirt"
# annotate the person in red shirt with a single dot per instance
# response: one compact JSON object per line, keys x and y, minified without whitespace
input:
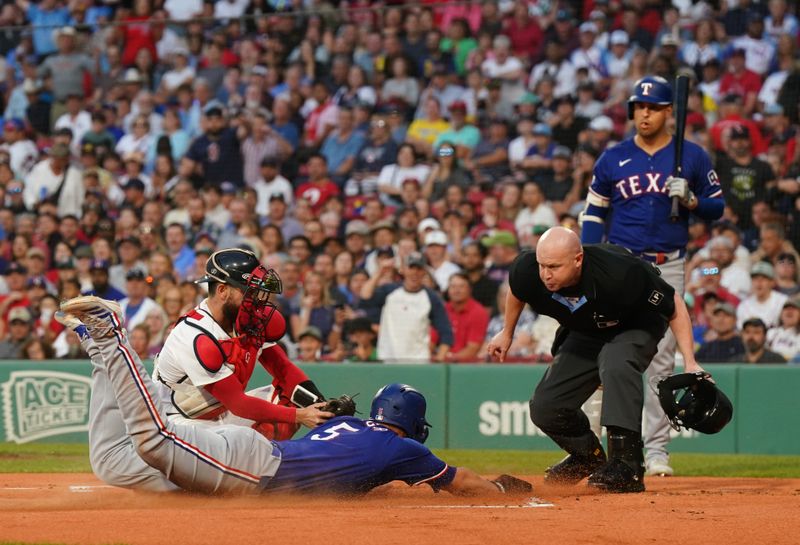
{"x":741,"y":81}
{"x":319,"y":188}
{"x":468,"y":317}
{"x":730,"y":116}
{"x":17,"y":296}
{"x":138,"y":33}
{"x":524,"y":32}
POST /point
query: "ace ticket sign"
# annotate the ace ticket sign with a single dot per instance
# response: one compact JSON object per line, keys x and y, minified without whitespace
{"x":39,"y":404}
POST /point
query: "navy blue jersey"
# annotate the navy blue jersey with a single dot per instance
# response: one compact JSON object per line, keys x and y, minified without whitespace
{"x":348,"y":455}
{"x":633,"y":184}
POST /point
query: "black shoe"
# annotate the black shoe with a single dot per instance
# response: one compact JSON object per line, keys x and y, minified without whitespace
{"x":574,"y":468}
{"x":618,"y":477}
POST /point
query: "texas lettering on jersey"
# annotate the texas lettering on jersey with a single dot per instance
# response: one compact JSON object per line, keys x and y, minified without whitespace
{"x":633,"y":184}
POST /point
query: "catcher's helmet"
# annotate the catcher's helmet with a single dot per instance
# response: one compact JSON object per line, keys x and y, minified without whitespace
{"x":691,"y":400}
{"x":403,"y":406}
{"x":650,"y":89}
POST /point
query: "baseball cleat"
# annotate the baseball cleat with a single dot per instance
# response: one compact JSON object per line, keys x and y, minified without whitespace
{"x":617,"y":476}
{"x":574,"y":469}
{"x":71,"y":322}
{"x":658,"y":467}
{"x":100,"y":317}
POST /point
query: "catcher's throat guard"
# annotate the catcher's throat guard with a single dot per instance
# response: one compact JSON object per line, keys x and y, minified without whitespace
{"x":693,"y":401}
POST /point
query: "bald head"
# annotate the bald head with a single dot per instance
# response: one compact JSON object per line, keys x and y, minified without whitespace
{"x":560,"y":257}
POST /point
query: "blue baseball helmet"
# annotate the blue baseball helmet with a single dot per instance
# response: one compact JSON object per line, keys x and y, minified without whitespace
{"x":650,"y":89}
{"x":402,"y":406}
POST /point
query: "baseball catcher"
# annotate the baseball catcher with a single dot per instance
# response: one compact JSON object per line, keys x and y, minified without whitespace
{"x":210,"y":355}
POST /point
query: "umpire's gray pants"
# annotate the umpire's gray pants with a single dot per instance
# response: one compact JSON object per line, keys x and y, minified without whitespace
{"x":572,"y":378}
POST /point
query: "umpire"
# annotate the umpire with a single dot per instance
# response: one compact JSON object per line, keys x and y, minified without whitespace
{"x":613,"y":309}
{"x":633,"y":180}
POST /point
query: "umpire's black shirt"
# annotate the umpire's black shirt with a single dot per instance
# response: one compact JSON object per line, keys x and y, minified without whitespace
{"x":617,"y":291}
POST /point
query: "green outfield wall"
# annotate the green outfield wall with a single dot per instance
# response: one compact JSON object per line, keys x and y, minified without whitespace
{"x":469,"y":406}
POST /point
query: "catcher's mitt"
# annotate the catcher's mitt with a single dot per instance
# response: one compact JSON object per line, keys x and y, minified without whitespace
{"x":343,"y":405}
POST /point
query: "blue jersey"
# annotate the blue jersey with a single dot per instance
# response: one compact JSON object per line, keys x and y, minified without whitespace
{"x":348,"y":455}
{"x":633,"y":184}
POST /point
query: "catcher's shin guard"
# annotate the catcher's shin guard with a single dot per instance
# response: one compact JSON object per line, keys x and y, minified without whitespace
{"x":624,"y":471}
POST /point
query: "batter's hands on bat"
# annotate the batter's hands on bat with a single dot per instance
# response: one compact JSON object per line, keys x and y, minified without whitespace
{"x":679,"y":187}
{"x":313,"y":415}
{"x":499,"y":345}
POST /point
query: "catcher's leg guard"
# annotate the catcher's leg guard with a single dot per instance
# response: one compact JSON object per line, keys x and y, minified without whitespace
{"x":624,"y":471}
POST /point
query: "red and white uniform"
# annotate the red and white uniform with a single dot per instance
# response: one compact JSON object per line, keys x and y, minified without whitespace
{"x":193,"y":360}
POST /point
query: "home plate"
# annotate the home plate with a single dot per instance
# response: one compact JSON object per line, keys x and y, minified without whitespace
{"x":87,"y":488}
{"x":530,"y":504}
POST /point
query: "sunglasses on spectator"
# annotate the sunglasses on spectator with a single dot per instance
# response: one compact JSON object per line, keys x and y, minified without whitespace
{"x":379,"y":123}
{"x":14,"y":190}
{"x":446,"y":152}
{"x":710,"y":271}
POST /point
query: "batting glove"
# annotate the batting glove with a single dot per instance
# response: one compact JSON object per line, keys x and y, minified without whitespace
{"x":679,"y":187}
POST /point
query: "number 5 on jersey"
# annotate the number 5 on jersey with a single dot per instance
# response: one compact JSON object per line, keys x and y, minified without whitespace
{"x":332,"y":433}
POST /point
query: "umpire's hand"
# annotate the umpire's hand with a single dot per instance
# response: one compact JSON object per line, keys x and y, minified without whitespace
{"x":499,"y":345}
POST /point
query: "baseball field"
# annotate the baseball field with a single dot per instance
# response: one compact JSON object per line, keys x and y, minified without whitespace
{"x":48,"y":495}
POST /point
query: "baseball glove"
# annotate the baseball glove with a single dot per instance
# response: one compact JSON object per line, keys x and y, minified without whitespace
{"x":344,"y":405}
{"x":509,"y":484}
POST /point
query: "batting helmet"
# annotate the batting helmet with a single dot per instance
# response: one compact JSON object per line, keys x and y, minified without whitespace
{"x":650,"y":89}
{"x":403,"y":406}
{"x":691,"y":400}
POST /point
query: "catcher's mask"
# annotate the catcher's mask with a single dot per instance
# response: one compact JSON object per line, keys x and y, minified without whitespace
{"x":241,"y":269}
{"x":691,"y":400}
{"x":402,"y":406}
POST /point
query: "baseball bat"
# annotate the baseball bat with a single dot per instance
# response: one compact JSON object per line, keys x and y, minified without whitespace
{"x":681,"y":99}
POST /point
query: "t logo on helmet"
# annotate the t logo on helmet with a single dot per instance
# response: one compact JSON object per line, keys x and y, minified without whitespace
{"x":646,"y":88}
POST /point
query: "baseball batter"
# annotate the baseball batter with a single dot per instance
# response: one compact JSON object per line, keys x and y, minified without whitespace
{"x":206,"y":380}
{"x":346,"y":455}
{"x":634,"y":180}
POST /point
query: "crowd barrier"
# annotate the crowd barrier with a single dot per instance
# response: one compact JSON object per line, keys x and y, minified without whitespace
{"x":470,"y":406}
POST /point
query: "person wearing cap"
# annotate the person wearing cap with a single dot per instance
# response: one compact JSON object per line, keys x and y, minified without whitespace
{"x":23,"y":153}
{"x":617,"y":59}
{"x":635,"y":176}
{"x":406,"y":312}
{"x":20,"y":327}
{"x":462,"y":135}
{"x":129,"y":250}
{"x":54,"y":180}
{"x":17,"y":296}
{"x":765,"y":303}
{"x":98,"y":269}
{"x":588,"y":55}
{"x":750,"y":173}
{"x":309,"y":345}
{"x":216,"y":154}
{"x":435,"y":251}
{"x":503,"y":250}
{"x":137,"y":305}
{"x":727,"y":342}
{"x":785,"y":337}
{"x":65,"y":70}
{"x":754,"y":338}
{"x":738,"y":79}
{"x":601,"y":131}
{"x":786,"y":274}
{"x":361,"y":340}
{"x":539,"y":156}
{"x":759,"y":48}
{"x":731,"y":115}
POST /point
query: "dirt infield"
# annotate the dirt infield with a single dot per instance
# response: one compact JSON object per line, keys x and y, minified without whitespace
{"x":76,"y":508}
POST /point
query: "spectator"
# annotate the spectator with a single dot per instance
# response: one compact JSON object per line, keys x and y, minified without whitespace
{"x":140,"y":341}
{"x":37,"y":350}
{"x":342,"y":145}
{"x":98,"y":270}
{"x":734,"y":277}
{"x":426,"y":129}
{"x":482,"y":288}
{"x":67,"y":70}
{"x":489,"y":160}
{"x":321,"y":117}
{"x":130,"y":252}
{"x":319,"y":188}
{"x":754,"y":338}
{"x":461,"y":134}
{"x":765,"y":303}
{"x":361,"y":341}
{"x":136,"y":306}
{"x":468,"y":319}
{"x":522,"y":345}
{"x":436,"y":253}
{"x":156,"y":322}
{"x":407,"y":312}
{"x":316,"y":309}
{"x":181,"y":254}
{"x":309,"y":345}
{"x":270,"y":182}
{"x":726,"y":343}
{"x":785,"y":338}
{"x":391,"y":178}
{"x":786,"y":279}
{"x":20,"y":324}
{"x":54,"y":180}
{"x":536,"y":212}
{"x":263,"y":144}
{"x":216,"y":155}
{"x":538,"y":158}
{"x":503,"y":249}
{"x":706,"y":280}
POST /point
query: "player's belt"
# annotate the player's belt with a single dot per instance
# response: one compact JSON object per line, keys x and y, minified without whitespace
{"x":659,"y":258}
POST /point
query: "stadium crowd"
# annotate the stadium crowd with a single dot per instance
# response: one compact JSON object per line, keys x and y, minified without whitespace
{"x":389,"y":160}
